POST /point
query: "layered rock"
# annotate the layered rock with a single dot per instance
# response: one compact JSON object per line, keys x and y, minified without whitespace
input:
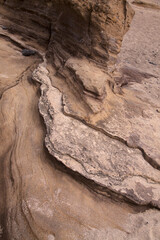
{"x":93,"y":153}
{"x":96,"y":175}
{"x":90,"y":31}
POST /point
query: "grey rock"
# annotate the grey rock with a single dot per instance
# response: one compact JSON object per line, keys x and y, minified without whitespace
{"x":28,"y":52}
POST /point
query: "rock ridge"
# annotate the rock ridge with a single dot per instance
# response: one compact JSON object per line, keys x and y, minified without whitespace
{"x":79,"y":120}
{"x":49,"y":108}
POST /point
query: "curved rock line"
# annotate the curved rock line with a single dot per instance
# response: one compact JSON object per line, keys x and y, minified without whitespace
{"x":48,"y":111}
{"x":46,"y":194}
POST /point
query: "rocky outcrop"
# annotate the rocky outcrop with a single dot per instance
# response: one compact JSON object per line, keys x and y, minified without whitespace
{"x":79,"y":120}
{"x":90,"y":31}
{"x":93,"y":153}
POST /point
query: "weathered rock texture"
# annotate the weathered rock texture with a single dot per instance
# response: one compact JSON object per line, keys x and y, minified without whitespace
{"x":79,"y":120}
{"x":88,"y":30}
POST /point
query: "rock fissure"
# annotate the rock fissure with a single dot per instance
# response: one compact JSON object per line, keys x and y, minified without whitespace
{"x":17,"y":81}
{"x":41,"y":75}
{"x":148,"y":159}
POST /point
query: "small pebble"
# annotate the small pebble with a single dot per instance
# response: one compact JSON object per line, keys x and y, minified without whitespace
{"x":4,"y":28}
{"x":28,"y":52}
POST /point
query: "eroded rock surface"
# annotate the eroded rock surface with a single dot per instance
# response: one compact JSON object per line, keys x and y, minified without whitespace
{"x":92,"y":153}
{"x":88,"y":167}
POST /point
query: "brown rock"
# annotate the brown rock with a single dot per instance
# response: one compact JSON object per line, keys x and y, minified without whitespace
{"x":100,"y":178}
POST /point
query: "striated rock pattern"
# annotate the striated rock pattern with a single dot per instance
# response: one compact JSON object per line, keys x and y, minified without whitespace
{"x":79,"y":120}
{"x":89,"y":30}
{"x":87,"y":150}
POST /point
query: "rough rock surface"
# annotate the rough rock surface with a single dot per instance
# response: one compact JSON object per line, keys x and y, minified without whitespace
{"x":92,"y":153}
{"x":88,"y":168}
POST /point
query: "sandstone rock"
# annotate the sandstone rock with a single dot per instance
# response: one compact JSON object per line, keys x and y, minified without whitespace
{"x":99,"y":157}
{"x":135,"y":112}
{"x":153,"y":4}
{"x":96,"y":174}
{"x":91,"y":77}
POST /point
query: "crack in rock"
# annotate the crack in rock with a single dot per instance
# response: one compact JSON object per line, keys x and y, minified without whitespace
{"x":96,"y":156}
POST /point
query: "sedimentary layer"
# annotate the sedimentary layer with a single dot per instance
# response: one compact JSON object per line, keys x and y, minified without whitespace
{"x":79,"y":120}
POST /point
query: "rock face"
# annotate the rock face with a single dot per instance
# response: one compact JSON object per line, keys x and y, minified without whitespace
{"x":87,"y":150}
{"x":79,"y":120}
{"x":89,"y":30}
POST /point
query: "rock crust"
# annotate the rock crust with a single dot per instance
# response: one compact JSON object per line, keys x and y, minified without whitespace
{"x":89,"y":169}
